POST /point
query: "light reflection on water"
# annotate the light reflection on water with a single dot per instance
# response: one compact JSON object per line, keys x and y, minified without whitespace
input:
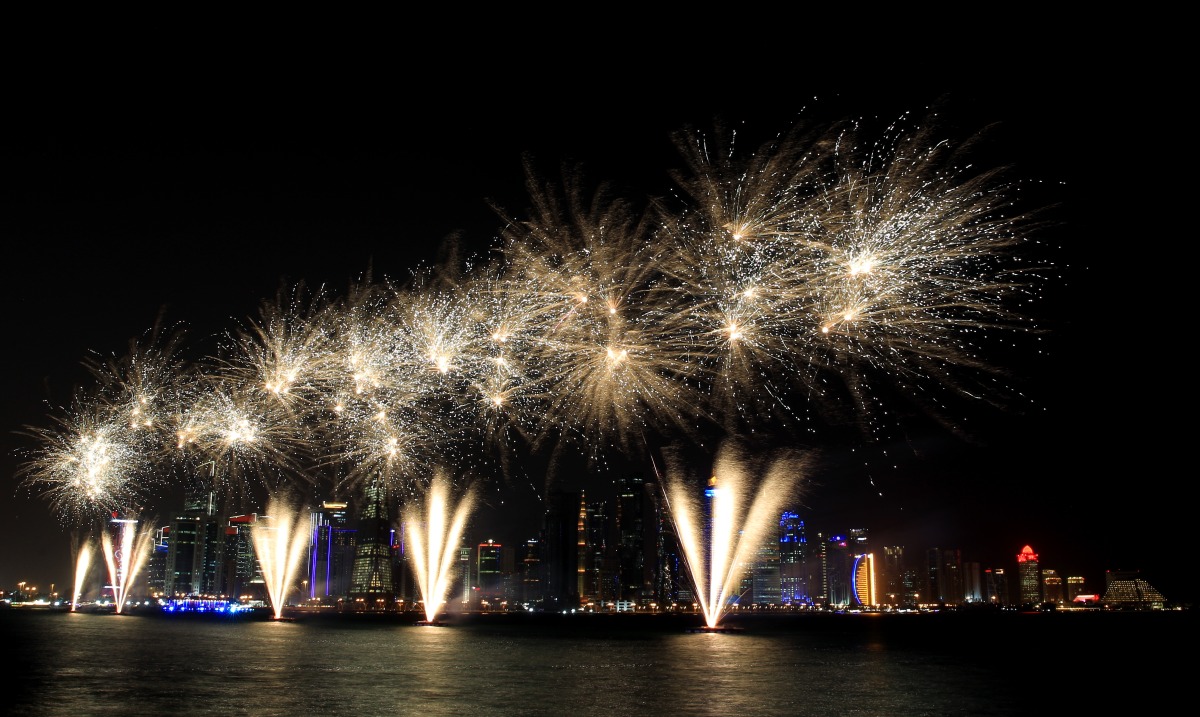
{"x":78,"y":664}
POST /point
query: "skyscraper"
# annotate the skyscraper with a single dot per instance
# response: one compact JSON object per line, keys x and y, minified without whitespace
{"x":944,"y":576}
{"x":637,"y":525}
{"x":488,"y":572}
{"x":371,"y":581}
{"x":195,"y":539}
{"x":1053,"y":589}
{"x":243,"y":575}
{"x":765,"y":575}
{"x":996,"y":586}
{"x":331,"y":555}
{"x":844,"y":550}
{"x":892,"y":577}
{"x":816,"y":579}
{"x":1029,"y":578}
{"x":532,"y":584}
{"x":864,"y":580}
{"x":601,"y":580}
{"x":561,"y":555}
{"x":793,"y":555}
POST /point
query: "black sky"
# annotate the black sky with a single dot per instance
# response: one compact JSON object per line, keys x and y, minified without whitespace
{"x":123,"y":206}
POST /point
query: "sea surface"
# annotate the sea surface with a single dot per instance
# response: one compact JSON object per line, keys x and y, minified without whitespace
{"x":62,"y":663}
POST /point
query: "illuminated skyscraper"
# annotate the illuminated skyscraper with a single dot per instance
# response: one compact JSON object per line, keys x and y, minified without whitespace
{"x":466,"y":576}
{"x":793,"y":555}
{"x":816,"y":578}
{"x":331,"y":555}
{"x":195,"y":540}
{"x":531,"y":569}
{"x":1053,"y":589}
{"x":840,"y":562}
{"x":764,"y":576}
{"x":488,"y":572}
{"x":1029,"y":577}
{"x":844,"y":553}
{"x":996,"y":586}
{"x":581,"y":549}
{"x":371,"y":580}
{"x":243,"y":575}
{"x":864,"y":581}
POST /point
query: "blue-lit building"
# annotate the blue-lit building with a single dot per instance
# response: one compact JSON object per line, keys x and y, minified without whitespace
{"x":793,"y":559}
{"x":331,"y":553}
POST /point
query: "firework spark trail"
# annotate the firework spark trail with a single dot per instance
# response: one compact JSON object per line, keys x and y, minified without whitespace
{"x":434,"y":539}
{"x":126,"y":558}
{"x":280,"y":539}
{"x":83,"y":563}
{"x":744,"y":509}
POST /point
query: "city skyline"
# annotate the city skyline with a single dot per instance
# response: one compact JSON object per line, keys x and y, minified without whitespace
{"x":890,"y":560}
{"x":159,"y":223}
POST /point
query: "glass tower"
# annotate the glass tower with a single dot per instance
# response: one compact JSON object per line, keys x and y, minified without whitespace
{"x":371,"y":583}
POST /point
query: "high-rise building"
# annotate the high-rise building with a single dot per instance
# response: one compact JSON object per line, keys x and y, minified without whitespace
{"x":243,"y":574}
{"x":331,"y":554}
{"x":996,"y":586}
{"x":532,"y":581}
{"x":195,"y":538}
{"x":488,"y":573}
{"x":372,"y":585}
{"x":1029,"y":578}
{"x":465,"y":575}
{"x":840,"y":570}
{"x":864,"y":594}
{"x":601,"y":573}
{"x":944,"y":581}
{"x":581,"y":549}
{"x":972,"y":581}
{"x":561,"y":550}
{"x":765,"y":583}
{"x":816,"y":578}
{"x":674,"y":582}
{"x":1053,"y":589}
{"x":156,"y":567}
{"x":891,"y":576}
{"x":793,"y":556}
{"x":637,"y":523}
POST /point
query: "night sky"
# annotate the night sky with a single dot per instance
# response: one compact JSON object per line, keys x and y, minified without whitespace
{"x":124,"y":207}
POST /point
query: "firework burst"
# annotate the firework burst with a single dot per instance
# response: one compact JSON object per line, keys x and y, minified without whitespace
{"x":825,"y":277}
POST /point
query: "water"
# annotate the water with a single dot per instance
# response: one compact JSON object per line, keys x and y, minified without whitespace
{"x":59,"y":663}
